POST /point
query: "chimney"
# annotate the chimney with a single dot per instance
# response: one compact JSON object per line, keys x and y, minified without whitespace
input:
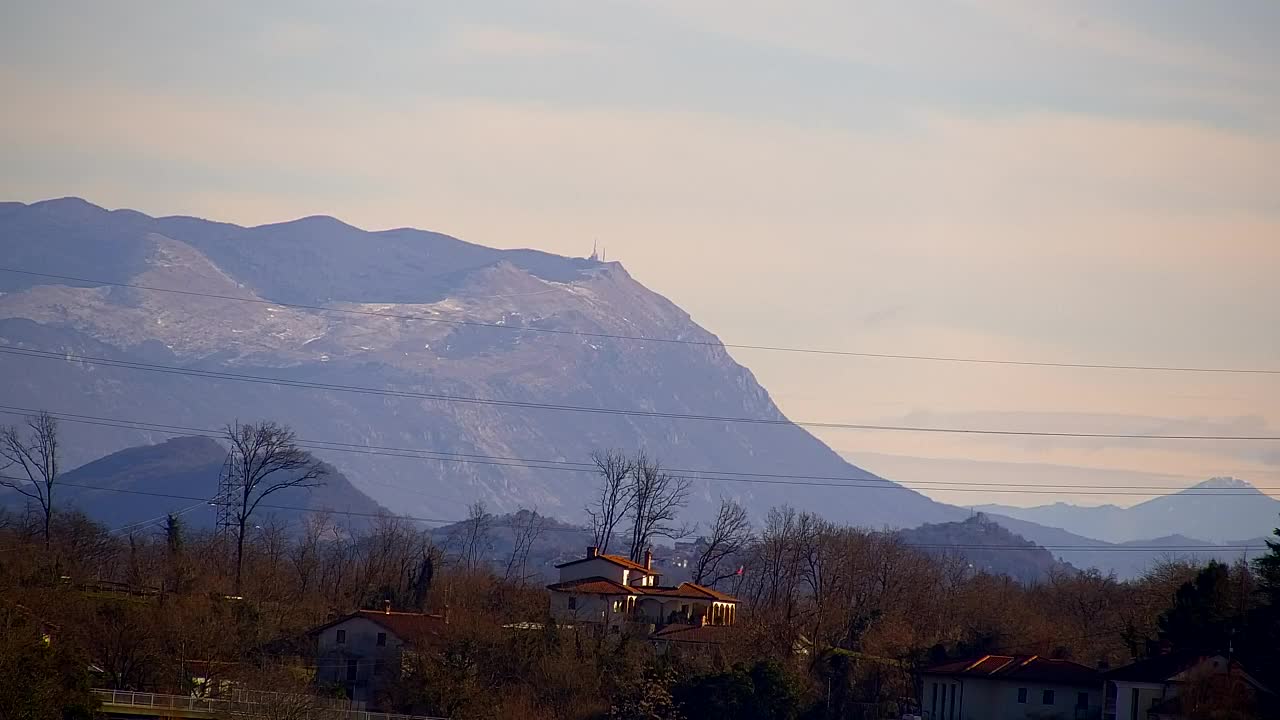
{"x":593,"y":551}
{"x":386,"y":607}
{"x":648,"y":558}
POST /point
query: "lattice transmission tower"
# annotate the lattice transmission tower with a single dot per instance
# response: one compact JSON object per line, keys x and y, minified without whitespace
{"x":227,"y":500}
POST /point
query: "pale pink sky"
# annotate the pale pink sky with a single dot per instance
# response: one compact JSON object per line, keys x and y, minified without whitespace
{"x":1087,"y":182}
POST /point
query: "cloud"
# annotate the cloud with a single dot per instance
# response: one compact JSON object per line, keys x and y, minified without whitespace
{"x":1073,"y":26}
{"x":472,"y":42}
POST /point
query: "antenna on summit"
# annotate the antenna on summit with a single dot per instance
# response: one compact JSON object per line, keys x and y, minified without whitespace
{"x":595,"y":250}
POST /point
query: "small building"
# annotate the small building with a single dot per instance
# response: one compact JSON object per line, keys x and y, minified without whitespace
{"x":610,"y":591}
{"x":1010,"y":687}
{"x":1156,"y":688}
{"x":362,"y":651}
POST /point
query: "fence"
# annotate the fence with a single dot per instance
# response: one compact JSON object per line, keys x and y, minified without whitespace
{"x":319,"y":708}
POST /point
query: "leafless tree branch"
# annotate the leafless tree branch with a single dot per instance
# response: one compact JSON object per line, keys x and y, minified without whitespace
{"x":37,"y":455}
{"x":264,"y":459}
{"x":730,"y":535}
{"x":616,"y":494}
{"x":656,"y":499}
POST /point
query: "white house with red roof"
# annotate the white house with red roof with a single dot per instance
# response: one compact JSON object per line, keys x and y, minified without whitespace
{"x":359,"y":652}
{"x":1010,"y":687}
{"x":611,"y":590}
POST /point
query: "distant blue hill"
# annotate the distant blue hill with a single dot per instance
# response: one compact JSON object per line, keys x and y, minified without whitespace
{"x":189,"y":467}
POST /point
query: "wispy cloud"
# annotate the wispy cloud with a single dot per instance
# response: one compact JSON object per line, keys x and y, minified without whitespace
{"x":468,"y":42}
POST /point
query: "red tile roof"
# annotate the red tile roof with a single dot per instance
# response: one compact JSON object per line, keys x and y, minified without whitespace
{"x":406,"y":626}
{"x":605,"y":586}
{"x":722,"y":597}
{"x":616,"y":560}
{"x":687,"y":590}
{"x":596,"y":585}
{"x":1020,"y":667}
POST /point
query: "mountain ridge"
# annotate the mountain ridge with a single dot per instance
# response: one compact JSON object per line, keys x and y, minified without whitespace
{"x":1245,"y":513}
{"x":413,"y":273}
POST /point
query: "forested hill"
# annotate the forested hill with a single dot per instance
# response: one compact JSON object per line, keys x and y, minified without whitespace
{"x":987,"y":547}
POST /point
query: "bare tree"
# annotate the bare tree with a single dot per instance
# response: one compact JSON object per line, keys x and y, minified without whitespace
{"x":729,"y":536}
{"x":526,"y":527}
{"x":472,"y":536}
{"x":37,"y":456}
{"x":608,"y":509}
{"x":264,"y":459}
{"x":656,"y":498}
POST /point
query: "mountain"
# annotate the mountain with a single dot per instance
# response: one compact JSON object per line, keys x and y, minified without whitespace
{"x":134,"y":482}
{"x":1245,"y":512}
{"x":1128,"y":559}
{"x":375,"y":323}
{"x":987,"y":547}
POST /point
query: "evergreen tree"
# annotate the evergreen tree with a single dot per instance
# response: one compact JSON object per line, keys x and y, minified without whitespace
{"x":1203,"y":613}
{"x":1267,"y":568}
{"x":1263,"y":637}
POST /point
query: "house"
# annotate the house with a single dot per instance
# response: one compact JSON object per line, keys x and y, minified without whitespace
{"x":1010,"y":687}
{"x":610,"y":591}
{"x":1157,"y":688}
{"x":362,"y":651}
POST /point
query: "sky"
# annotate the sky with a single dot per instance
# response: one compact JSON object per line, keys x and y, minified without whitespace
{"x":1089,"y":182}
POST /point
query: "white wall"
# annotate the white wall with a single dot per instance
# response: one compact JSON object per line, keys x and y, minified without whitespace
{"x":360,"y":647}
{"x":589,"y":608}
{"x":595,"y":567}
{"x":982,"y":699}
{"x":1147,"y":693}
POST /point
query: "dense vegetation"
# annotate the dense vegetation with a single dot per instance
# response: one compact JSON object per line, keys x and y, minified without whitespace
{"x":835,"y":620}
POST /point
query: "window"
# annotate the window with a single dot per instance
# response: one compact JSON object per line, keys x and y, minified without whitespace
{"x":1082,"y":700}
{"x":573,"y":603}
{"x":342,"y":637}
{"x":382,"y":639}
{"x":1048,"y":698}
{"x":1022,"y":695}
{"x":617,"y":606}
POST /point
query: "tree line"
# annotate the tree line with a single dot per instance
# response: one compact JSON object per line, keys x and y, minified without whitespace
{"x":835,"y":620}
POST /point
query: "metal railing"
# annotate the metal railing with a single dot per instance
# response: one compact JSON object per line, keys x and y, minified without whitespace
{"x":160,"y":701}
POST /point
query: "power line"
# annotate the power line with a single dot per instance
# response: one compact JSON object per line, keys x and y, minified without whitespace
{"x":642,"y":338}
{"x":336,"y":387}
{"x":587,"y":468}
{"x":590,"y":468}
{"x":1089,"y":548}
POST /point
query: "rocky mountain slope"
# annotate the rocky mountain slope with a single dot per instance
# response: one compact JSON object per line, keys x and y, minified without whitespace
{"x":383,"y":313}
{"x":1246,"y":512}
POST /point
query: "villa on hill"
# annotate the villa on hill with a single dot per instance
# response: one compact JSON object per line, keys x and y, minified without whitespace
{"x":610,"y":591}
